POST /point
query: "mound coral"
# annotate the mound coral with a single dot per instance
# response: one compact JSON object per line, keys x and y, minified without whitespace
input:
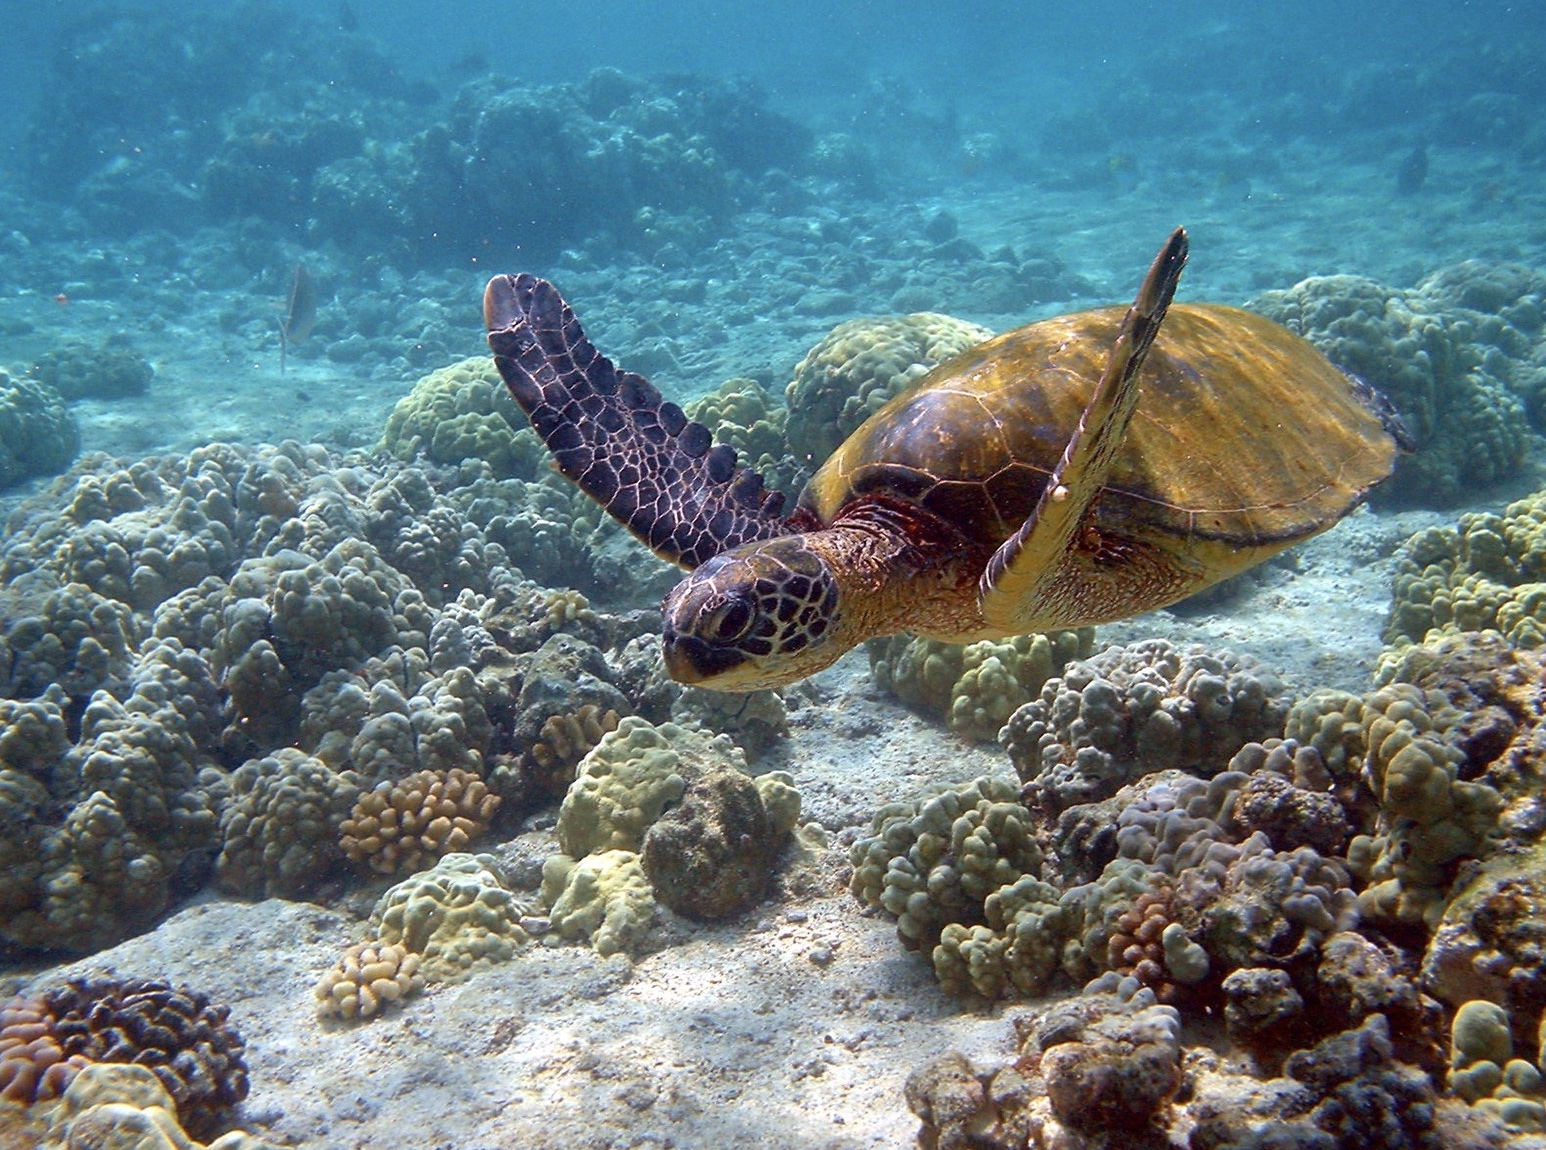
{"x":111,"y":370}
{"x":457,"y":913}
{"x":744,"y":415}
{"x":463,"y":411}
{"x":858,"y":366}
{"x":38,"y":434}
{"x":974,"y":687}
{"x":1140,"y":708}
{"x":711,"y":856}
{"x":1486,"y":573}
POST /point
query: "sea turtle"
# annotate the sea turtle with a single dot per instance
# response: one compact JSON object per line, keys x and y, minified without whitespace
{"x":1019,"y":487}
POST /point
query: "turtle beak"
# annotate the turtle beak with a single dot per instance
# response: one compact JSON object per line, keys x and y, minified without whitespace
{"x":690,"y":660}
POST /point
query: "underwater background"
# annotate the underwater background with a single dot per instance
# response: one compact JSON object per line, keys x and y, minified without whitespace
{"x":344,"y":800}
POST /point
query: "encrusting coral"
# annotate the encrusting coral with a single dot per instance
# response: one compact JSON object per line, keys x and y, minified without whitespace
{"x":126,"y":1105}
{"x":111,"y":370}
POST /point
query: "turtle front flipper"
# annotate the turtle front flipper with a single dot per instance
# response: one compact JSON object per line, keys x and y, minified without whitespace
{"x":1049,"y":573}
{"x":654,"y":470}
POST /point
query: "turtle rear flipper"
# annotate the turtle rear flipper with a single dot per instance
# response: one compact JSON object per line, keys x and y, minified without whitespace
{"x":1048,"y":572}
{"x":654,"y":470}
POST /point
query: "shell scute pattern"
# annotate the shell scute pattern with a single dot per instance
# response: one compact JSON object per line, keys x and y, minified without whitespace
{"x":974,"y":440}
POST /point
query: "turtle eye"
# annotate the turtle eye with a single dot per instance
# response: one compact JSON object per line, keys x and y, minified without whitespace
{"x":727,"y":622}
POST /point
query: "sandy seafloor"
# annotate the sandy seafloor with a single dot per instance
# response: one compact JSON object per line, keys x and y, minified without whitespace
{"x":795,"y":1025}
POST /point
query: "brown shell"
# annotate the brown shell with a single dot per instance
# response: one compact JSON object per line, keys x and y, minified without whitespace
{"x":1244,"y":433}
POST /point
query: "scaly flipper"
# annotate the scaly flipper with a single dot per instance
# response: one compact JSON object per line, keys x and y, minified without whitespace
{"x":654,"y":470}
{"x":1026,"y":581}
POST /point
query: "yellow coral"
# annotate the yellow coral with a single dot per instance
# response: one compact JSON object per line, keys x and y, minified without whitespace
{"x":605,"y":897}
{"x":398,"y":826}
{"x":455,"y":914}
{"x":369,"y":977}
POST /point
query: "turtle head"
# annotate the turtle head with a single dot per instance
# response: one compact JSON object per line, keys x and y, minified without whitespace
{"x":760,"y":615}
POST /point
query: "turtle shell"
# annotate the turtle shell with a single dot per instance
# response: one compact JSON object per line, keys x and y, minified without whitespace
{"x":1245,"y":434}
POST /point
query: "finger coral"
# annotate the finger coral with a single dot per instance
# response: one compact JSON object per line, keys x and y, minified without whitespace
{"x":401,"y":826}
{"x":368,"y":978}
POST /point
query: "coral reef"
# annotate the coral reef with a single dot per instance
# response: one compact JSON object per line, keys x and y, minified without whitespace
{"x":1112,"y":1069}
{"x":398,"y":826}
{"x":368,"y":978}
{"x":1135,"y":709}
{"x":974,"y":687}
{"x":38,"y":434}
{"x":858,"y":366}
{"x":111,"y":370}
{"x":211,"y":656}
{"x":281,"y":828}
{"x":1488,"y":573}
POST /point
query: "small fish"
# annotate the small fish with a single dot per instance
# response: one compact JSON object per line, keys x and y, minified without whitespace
{"x":1413,"y":171}
{"x":300,"y":313}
